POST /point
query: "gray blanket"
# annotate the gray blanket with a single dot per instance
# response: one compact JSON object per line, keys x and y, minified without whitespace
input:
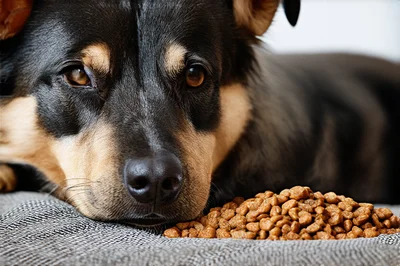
{"x":37,"y":229}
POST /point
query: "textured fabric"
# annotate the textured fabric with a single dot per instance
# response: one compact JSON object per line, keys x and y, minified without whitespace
{"x":37,"y":229}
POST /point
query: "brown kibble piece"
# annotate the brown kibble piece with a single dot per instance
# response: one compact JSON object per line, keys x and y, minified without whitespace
{"x":285,"y":192}
{"x":230,"y":205}
{"x":253,"y":227}
{"x":294,"y":213}
{"x":295,"y":227}
{"x":305,"y":236}
{"x":357,"y":230}
{"x":331,"y":198}
{"x":339,"y":229}
{"x":264,"y":207}
{"x":323,"y":235}
{"x":395,"y":221}
{"x":360,"y":220}
{"x":182,"y":226}
{"x":208,"y":232}
{"x":228,"y":214}
{"x":347,"y":215}
{"x":319,"y":210}
{"x":214,"y":214}
{"x":299,"y":193}
{"x":348,"y":225}
{"x":262,"y":216}
{"x":351,"y":235}
{"x":198,"y":226}
{"x":251,"y":216}
{"x":283,"y":222}
{"x":282,"y":199}
{"x":368,"y":206}
{"x":213,"y":222}
{"x":305,"y":207}
{"x":185,"y":233}
{"x":276,"y":210}
{"x":266,"y":224}
{"x":383,"y":213}
{"x":371,"y":232}
{"x":262,"y":234}
{"x":238,"y":221}
{"x":288,"y":205}
{"x":305,"y":218}
{"x":224,"y":224}
{"x":242,"y":210}
{"x":173,"y":232}
{"x":336,"y":218}
{"x":345,"y":207}
{"x":286,"y":229}
{"x":361,"y":211}
{"x":193,"y":232}
{"x":341,"y":236}
{"x":376,"y":221}
{"x":276,"y":218}
{"x":387,"y":223}
{"x":313,"y":228}
{"x":254,"y":205}
{"x":276,"y":231}
{"x":274,"y":201}
{"x":292,"y":236}
{"x":223,"y":233}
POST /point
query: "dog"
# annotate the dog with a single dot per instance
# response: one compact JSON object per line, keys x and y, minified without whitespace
{"x":148,"y":112}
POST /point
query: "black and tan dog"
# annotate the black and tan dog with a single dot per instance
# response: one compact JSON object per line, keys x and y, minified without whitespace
{"x":145,"y":111}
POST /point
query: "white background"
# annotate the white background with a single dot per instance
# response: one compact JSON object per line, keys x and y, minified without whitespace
{"x":361,"y":26}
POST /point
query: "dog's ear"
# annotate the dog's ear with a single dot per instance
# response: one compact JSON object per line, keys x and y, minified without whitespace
{"x":13,"y":15}
{"x":256,"y":15}
{"x":292,"y":10}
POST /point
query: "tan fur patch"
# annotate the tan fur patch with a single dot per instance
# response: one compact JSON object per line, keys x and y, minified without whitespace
{"x":23,"y":141}
{"x":97,"y":56}
{"x":255,"y":15}
{"x":8,"y":180}
{"x":87,"y":158}
{"x":204,"y":152}
{"x":235,"y":114}
{"x":174,"y":60}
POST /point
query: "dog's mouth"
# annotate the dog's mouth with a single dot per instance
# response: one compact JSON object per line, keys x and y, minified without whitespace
{"x":150,"y":220}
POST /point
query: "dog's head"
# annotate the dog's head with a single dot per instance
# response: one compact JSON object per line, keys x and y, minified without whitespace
{"x":129,"y":106}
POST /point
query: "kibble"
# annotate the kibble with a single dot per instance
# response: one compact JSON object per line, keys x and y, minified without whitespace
{"x":293,"y":214}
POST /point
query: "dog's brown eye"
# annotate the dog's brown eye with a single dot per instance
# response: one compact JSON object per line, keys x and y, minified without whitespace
{"x":195,"y":76}
{"x":77,"y":77}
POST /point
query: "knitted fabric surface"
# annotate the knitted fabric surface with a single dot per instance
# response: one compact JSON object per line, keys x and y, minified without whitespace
{"x":37,"y":229}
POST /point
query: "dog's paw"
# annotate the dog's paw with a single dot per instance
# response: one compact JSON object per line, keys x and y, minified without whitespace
{"x":8,"y":179}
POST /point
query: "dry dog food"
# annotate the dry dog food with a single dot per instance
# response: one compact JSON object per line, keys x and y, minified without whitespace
{"x":294,"y":214}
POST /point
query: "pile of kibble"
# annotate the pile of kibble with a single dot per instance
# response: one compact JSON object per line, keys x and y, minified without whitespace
{"x":294,"y":214}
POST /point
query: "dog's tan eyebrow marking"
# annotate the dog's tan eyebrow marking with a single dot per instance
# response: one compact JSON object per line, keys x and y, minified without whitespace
{"x":174,"y":60}
{"x":97,"y":56}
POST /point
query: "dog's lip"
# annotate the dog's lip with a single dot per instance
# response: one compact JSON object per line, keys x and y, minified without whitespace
{"x":149,"y":220}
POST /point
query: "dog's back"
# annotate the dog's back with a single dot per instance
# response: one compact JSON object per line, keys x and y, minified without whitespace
{"x":331,"y":121}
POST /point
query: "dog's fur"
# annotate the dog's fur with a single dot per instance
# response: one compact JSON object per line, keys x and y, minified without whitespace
{"x":258,"y":122}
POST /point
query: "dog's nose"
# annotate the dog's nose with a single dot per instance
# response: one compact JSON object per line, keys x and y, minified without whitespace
{"x":156,"y":179}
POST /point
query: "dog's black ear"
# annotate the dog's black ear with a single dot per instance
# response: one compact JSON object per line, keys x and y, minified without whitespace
{"x":255,"y":15}
{"x":292,"y":10}
{"x":13,"y":15}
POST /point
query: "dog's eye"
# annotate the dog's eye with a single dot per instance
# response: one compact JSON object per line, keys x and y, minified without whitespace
{"x":195,"y":76}
{"x":77,"y":76}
